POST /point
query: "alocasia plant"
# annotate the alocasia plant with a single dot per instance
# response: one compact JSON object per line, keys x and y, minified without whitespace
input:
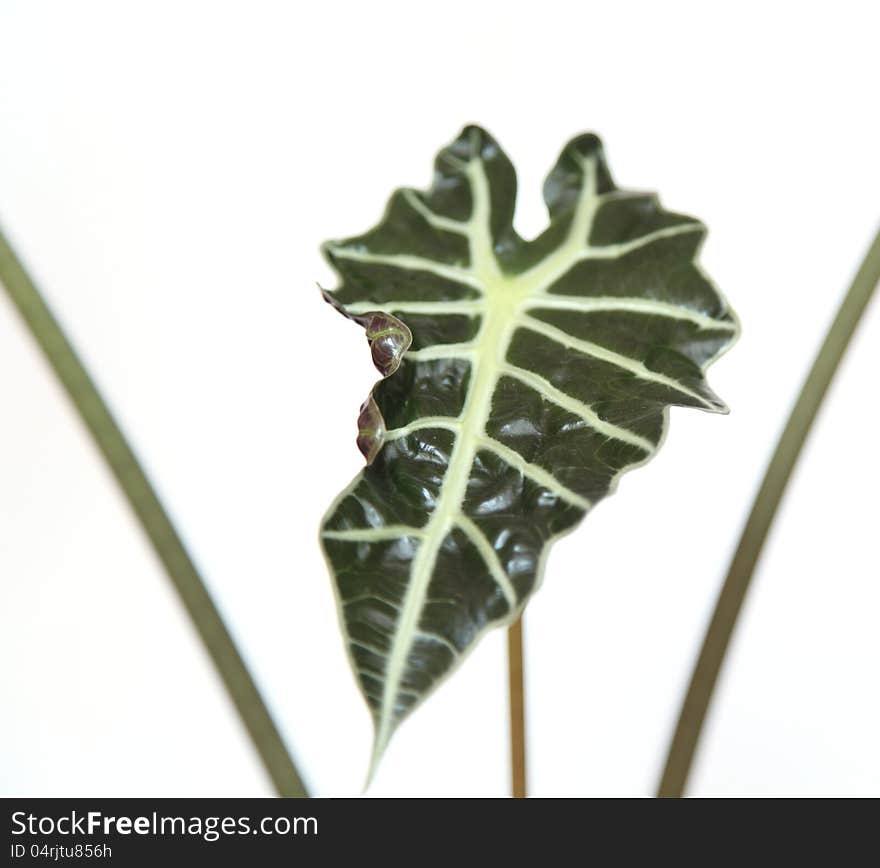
{"x":522,"y":378}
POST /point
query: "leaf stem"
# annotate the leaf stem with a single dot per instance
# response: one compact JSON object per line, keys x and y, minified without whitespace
{"x":143,"y":500}
{"x":742,"y":567}
{"x":517,"y":709}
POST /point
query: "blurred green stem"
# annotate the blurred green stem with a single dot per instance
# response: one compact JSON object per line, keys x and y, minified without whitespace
{"x":742,"y":567}
{"x":167,"y":544}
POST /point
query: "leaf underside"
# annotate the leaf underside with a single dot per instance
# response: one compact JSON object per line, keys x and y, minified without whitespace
{"x":522,"y":378}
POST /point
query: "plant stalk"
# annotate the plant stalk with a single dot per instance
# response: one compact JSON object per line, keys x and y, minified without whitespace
{"x":166,"y":542}
{"x":742,"y":567}
{"x":517,"y":710}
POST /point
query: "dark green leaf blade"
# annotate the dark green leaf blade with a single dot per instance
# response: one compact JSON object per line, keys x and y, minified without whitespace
{"x":527,"y":376}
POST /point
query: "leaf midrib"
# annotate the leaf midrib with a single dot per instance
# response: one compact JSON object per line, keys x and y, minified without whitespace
{"x":502,"y":305}
{"x":487,"y":364}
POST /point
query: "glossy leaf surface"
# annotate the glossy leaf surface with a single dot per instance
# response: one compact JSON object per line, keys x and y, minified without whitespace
{"x":521,"y":379}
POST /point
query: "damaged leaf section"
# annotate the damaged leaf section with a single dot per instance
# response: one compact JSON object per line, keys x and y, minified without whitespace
{"x":522,"y":378}
{"x":387,"y":336}
{"x":371,"y":430}
{"x":388,"y":339}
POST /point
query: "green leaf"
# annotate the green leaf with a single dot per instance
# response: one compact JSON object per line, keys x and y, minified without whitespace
{"x":522,"y":378}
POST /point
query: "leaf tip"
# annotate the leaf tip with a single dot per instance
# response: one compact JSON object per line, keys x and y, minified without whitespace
{"x":380,"y":742}
{"x":585,"y":144}
{"x":713,"y":404}
{"x":473,"y":142}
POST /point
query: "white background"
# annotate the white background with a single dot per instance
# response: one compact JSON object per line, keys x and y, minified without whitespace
{"x":168,"y":171}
